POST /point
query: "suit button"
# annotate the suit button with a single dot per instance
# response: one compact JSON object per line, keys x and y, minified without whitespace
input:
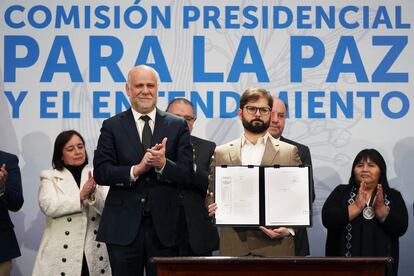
{"x":102,"y":271}
{"x":62,"y":273}
{"x":64,"y":260}
{"x":100,"y":258}
{"x":69,"y":219}
{"x":93,"y":218}
{"x":95,"y":232}
{"x":143,"y":200}
{"x":147,"y":179}
{"x":67,"y":233}
{"x":98,"y":245}
{"x":65,"y":246}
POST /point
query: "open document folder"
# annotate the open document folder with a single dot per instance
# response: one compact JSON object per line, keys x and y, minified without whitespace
{"x":266,"y":196}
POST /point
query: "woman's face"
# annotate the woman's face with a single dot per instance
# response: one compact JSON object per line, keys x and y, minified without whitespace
{"x":368,"y":172}
{"x":74,"y":152}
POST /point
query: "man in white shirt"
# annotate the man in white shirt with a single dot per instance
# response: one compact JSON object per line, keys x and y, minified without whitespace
{"x":255,"y":147}
{"x":145,"y":156}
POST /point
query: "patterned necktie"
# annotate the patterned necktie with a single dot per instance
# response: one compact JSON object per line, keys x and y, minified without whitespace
{"x":146,"y":132}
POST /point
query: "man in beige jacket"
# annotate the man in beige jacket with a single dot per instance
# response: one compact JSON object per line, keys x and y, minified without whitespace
{"x":255,"y":147}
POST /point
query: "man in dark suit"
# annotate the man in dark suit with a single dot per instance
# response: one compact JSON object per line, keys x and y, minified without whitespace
{"x":145,"y":156}
{"x":277,"y":125}
{"x":11,"y":199}
{"x":199,"y":235}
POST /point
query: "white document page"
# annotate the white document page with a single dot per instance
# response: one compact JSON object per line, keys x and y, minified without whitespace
{"x":287,"y":196}
{"x":237,"y":195}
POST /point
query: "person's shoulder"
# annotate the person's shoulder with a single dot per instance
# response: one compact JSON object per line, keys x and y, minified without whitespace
{"x":394,"y":192}
{"x":202,"y":142}
{"x":119,"y":116}
{"x":170,"y":117}
{"x":49,"y":173}
{"x":281,"y":144}
{"x":227,"y":146}
{"x":297,"y":144}
{"x":342,"y":188}
{"x":115,"y":120}
{"x":7,"y":156}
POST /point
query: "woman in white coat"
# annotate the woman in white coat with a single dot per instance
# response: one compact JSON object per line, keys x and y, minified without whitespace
{"x":72,"y":203}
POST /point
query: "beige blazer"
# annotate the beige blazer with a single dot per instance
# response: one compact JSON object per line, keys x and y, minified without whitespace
{"x":249,"y":241}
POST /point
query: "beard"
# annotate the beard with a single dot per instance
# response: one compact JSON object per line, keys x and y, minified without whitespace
{"x":256,"y":125}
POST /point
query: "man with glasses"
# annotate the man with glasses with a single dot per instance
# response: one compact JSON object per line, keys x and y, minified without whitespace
{"x":255,"y":147}
{"x":199,"y":235}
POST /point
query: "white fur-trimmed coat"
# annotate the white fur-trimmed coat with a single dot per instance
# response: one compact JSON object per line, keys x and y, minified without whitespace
{"x":71,"y":226}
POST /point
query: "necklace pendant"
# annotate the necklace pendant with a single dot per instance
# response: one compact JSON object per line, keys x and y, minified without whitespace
{"x":368,"y":213}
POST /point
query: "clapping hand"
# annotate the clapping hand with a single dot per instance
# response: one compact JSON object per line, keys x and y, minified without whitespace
{"x":362,"y":197}
{"x":381,"y":210}
{"x":379,"y":198}
{"x":157,"y":158}
{"x":356,"y":208}
{"x":88,"y":188}
{"x":3,"y":176}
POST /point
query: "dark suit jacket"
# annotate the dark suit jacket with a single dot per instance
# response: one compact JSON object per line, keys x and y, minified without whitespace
{"x":11,"y":200}
{"x":301,"y":235}
{"x":202,"y":234}
{"x":119,"y":147}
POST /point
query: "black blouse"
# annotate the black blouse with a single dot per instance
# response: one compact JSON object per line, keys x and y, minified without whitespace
{"x":76,"y":171}
{"x":362,"y":237}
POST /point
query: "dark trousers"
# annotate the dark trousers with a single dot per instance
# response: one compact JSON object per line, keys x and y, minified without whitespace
{"x":133,"y":258}
{"x":184,"y":246}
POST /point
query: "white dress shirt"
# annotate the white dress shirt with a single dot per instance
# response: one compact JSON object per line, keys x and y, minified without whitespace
{"x":252,"y":154}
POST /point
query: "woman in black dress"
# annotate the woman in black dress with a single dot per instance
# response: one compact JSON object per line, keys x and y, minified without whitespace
{"x":365,"y":217}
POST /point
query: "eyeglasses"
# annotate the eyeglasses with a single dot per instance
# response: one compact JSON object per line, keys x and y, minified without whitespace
{"x":252,"y":110}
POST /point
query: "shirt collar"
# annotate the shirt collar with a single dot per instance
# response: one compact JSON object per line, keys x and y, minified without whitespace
{"x":138,"y":115}
{"x":261,"y":140}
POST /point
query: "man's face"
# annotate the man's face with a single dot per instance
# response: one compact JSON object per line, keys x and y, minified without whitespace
{"x":278,"y":118}
{"x":184,"y":111}
{"x":142,"y":89}
{"x":255,"y":122}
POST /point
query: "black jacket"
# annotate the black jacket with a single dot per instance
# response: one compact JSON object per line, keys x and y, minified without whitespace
{"x":119,"y":147}
{"x":301,"y":234}
{"x":12,"y":200}
{"x":202,"y":234}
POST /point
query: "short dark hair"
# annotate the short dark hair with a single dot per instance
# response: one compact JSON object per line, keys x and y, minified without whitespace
{"x":60,"y":143}
{"x":376,"y":157}
{"x":253,"y":94}
{"x":180,"y":100}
